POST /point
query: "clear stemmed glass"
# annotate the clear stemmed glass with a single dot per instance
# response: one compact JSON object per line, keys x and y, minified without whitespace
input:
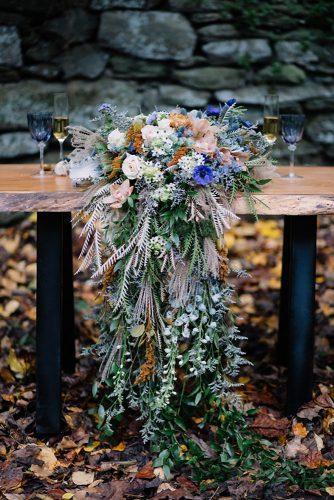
{"x":60,"y":119}
{"x":40,"y":126}
{"x":271,"y":118}
{"x":292,"y":133}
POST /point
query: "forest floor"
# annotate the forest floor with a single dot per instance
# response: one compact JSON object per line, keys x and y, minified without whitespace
{"x":80,"y":465}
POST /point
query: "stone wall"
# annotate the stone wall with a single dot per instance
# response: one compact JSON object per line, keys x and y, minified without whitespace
{"x":145,"y":53}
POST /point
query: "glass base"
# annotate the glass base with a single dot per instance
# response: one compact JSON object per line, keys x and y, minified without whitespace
{"x":292,"y":176}
{"x":42,"y":174}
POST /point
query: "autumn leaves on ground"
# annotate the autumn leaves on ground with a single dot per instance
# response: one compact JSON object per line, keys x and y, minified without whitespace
{"x":80,"y":465}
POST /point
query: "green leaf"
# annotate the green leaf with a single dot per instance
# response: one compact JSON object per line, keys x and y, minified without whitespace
{"x":167,"y":473}
{"x":137,"y":331}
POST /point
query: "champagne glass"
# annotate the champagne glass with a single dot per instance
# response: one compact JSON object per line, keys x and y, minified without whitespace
{"x":40,"y":127}
{"x":292,"y":133}
{"x":271,"y":118}
{"x":60,"y":120}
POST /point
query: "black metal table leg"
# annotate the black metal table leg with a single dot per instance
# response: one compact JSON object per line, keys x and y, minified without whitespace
{"x":284,"y":313}
{"x":68,"y":337}
{"x":49,"y":323}
{"x":300,"y":315}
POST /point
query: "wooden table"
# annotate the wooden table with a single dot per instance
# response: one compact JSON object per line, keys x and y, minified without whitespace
{"x":53,"y":198}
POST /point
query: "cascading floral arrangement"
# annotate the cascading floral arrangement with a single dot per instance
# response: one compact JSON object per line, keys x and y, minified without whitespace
{"x":154,"y":232}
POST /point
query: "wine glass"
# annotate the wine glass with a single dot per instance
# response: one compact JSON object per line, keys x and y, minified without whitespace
{"x":292,"y":132}
{"x":40,"y":127}
{"x":60,"y":120}
{"x":271,"y":118}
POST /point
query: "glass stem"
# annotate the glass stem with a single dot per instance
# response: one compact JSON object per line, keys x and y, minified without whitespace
{"x":292,"y":149}
{"x":61,"y":152}
{"x":41,"y":157}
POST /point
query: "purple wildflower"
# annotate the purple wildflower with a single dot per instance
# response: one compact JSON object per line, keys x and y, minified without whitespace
{"x":151,"y":118}
{"x":104,"y":108}
{"x":203,"y":175}
{"x":213,"y":110}
{"x":230,"y":102}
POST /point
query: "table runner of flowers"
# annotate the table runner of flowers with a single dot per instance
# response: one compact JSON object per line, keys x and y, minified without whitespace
{"x":155,"y":218}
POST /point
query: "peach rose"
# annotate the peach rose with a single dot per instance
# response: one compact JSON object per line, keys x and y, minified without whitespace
{"x":206,"y":144}
{"x":204,"y":135}
{"x":119,"y":193}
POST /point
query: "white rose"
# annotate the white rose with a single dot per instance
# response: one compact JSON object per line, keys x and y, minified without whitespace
{"x":61,"y":168}
{"x":132,"y":166}
{"x":164,"y":124}
{"x":116,"y":140}
{"x":149,"y":133}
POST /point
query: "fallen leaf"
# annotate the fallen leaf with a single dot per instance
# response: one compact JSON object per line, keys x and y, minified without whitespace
{"x":164,"y":487}
{"x":309,"y":411}
{"x":91,"y":447}
{"x":315,"y":459}
{"x":319,"y":442}
{"x":18,"y":366}
{"x":81,"y":478}
{"x":9,"y":309}
{"x":330,"y":490}
{"x":299,"y":430}
{"x":49,"y":463}
{"x":146,"y":472}
{"x":10,"y":477}
{"x":328,"y":421}
{"x":269,"y":426}
{"x":120,"y":447}
{"x":67,"y":496}
{"x":295,"y":448}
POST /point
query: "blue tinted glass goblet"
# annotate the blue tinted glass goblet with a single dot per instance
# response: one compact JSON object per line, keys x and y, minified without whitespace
{"x":40,"y":126}
{"x":292,"y":133}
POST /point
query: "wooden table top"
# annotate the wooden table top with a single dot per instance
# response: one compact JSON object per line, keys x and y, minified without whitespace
{"x":21,"y":190}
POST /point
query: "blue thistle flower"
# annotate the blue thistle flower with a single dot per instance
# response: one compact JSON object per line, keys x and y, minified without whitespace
{"x":213,"y":110}
{"x":203,"y":175}
{"x":104,"y":108}
{"x":230,"y":102}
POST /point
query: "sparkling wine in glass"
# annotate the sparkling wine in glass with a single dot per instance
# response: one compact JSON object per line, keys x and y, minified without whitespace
{"x":292,"y":133}
{"x":60,"y":120}
{"x":271,"y":119}
{"x":40,"y":126}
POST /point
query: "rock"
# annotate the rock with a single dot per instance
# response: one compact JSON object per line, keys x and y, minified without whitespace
{"x":294,"y":52}
{"x":195,"y":60}
{"x":10,"y":47}
{"x":238,"y":51}
{"x":148,"y":35}
{"x":15,"y":144}
{"x":196,"y":5}
{"x":83,"y":60}
{"x":254,"y":95}
{"x":43,"y":51}
{"x":9,"y":74}
{"x":210,"y":77}
{"x":320,"y":104}
{"x":127,"y":4}
{"x":11,"y":19}
{"x":175,"y":95}
{"x":84,"y":97}
{"x":321,"y":128}
{"x":46,"y":71}
{"x":76,"y":25}
{"x":282,"y":73}
{"x":214,"y":31}
{"x":25,"y":7}
{"x":137,"y":68}
{"x":205,"y":17}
